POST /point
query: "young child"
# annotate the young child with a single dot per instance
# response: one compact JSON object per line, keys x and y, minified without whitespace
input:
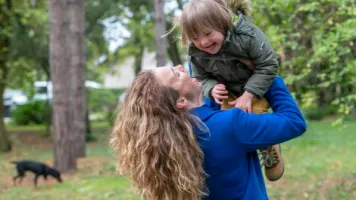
{"x":232,"y":58}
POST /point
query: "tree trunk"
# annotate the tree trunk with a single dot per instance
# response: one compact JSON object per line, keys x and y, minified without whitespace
{"x":48,"y":115}
{"x":76,"y":27}
{"x":180,"y":4}
{"x":173,"y":53}
{"x":5,"y":144}
{"x":88,"y":132}
{"x":172,"y":49}
{"x":139,"y":52}
{"x":64,"y":155}
{"x":138,"y":60}
{"x":160,"y":28}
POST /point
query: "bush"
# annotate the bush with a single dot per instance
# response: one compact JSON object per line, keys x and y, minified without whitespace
{"x":90,"y":137}
{"x":35,"y":112}
{"x":351,"y":116}
{"x":318,"y":113}
{"x":103,"y":101}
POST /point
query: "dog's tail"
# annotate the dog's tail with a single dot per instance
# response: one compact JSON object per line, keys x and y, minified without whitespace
{"x":14,"y":162}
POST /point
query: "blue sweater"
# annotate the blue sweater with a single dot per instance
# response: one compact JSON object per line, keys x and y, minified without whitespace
{"x":230,"y":157}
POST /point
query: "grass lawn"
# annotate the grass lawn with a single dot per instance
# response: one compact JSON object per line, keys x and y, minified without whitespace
{"x":319,"y":165}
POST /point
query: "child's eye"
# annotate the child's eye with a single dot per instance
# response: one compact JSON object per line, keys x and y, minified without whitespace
{"x":208,"y":33}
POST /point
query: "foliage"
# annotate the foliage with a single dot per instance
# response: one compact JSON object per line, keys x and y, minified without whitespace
{"x":29,"y":46}
{"x":317,"y":40}
{"x":103,"y":99}
{"x":318,"y":113}
{"x":99,"y":57}
{"x":104,"y":102}
{"x":30,"y":113}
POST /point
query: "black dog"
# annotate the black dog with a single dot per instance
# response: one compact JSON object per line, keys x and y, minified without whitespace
{"x":37,"y":168}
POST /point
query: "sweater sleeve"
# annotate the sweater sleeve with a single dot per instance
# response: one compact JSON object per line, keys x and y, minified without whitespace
{"x":258,"y":131}
{"x":203,"y":76}
{"x":266,"y":64}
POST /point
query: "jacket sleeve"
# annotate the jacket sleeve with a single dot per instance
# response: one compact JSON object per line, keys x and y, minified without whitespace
{"x":258,"y":131}
{"x":204,"y":77}
{"x":261,"y":53}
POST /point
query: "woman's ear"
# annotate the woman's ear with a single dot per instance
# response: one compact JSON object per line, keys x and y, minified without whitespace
{"x":181,"y":103}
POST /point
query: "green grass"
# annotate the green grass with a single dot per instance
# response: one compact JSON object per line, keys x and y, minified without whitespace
{"x":318,"y":165}
{"x":91,"y":187}
{"x":42,"y":127}
{"x":32,"y":127}
{"x":95,"y":178}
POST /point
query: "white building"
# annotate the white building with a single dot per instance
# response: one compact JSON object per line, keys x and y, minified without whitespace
{"x":123,"y":74}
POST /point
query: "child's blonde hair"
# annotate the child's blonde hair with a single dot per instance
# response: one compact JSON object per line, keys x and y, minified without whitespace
{"x":203,"y":15}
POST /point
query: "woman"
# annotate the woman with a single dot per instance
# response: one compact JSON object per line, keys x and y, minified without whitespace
{"x":173,"y":145}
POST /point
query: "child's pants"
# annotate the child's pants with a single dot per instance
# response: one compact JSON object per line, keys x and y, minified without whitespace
{"x":258,"y":105}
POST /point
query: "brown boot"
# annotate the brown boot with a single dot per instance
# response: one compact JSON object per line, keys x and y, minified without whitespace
{"x":273,"y":162}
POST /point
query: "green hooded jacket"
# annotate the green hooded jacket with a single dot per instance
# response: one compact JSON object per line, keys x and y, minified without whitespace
{"x":244,"y":42}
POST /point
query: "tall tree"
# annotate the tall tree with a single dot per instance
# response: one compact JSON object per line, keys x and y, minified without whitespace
{"x":64,"y":155}
{"x":30,"y":48}
{"x":5,"y":16}
{"x":78,"y":66}
{"x":160,"y":28}
{"x":318,"y":49}
{"x":173,"y":49}
{"x":139,"y":20}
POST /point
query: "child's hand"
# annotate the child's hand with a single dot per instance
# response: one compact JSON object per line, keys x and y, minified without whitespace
{"x":219,"y":93}
{"x":244,"y":102}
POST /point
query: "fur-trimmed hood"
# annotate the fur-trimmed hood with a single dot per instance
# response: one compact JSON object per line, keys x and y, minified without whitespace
{"x":240,"y":5}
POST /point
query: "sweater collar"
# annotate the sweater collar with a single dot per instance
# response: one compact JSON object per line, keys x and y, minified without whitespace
{"x":206,"y":110}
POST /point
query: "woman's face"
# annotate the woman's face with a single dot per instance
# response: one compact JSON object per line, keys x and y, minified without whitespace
{"x":177,"y":78}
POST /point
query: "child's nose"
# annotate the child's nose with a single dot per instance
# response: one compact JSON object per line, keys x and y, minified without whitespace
{"x":204,"y":41}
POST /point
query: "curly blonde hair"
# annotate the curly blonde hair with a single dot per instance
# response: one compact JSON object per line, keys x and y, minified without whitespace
{"x":155,"y":143}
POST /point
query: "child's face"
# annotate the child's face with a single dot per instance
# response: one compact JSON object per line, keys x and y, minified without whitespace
{"x":209,"y":41}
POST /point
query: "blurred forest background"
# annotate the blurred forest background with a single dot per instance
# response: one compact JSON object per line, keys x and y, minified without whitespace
{"x":64,"y":66}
